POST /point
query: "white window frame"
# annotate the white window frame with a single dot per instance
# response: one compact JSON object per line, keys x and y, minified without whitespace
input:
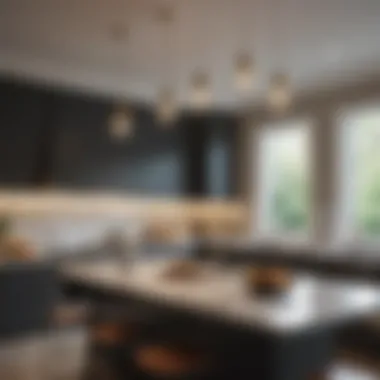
{"x":263,"y":230}
{"x":346,"y":231}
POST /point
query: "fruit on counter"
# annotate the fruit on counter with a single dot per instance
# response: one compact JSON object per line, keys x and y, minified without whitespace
{"x":275,"y":278}
{"x":182,"y":269}
{"x":14,"y":248}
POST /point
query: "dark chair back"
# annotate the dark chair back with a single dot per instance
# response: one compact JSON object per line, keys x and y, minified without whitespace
{"x":28,"y":294}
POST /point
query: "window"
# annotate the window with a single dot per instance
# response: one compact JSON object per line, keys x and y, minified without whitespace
{"x":361,"y":182}
{"x":284,"y":179}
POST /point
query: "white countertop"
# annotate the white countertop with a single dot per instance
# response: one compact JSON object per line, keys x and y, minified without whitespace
{"x":220,"y":293}
{"x":361,"y":255}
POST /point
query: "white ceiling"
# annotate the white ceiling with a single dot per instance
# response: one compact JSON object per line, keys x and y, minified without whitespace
{"x":320,"y":43}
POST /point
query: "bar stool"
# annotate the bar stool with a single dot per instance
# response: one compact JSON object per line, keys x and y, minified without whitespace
{"x":109,"y":333}
{"x":108,"y":341}
{"x":165,"y":361}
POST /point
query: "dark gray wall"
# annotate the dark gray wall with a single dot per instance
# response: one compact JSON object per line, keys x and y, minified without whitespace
{"x":53,"y":137}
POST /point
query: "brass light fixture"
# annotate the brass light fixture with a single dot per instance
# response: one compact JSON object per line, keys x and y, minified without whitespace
{"x":167,"y":110}
{"x":120,"y":121}
{"x":200,"y":91}
{"x":244,"y":72}
{"x":166,"y":104}
{"x":280,"y":93}
{"x":120,"y":124}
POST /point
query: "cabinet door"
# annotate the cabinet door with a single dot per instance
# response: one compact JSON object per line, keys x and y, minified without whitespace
{"x":21,"y":125}
{"x":87,"y":157}
{"x":79,"y":141}
{"x":220,"y":157}
{"x":210,"y":146}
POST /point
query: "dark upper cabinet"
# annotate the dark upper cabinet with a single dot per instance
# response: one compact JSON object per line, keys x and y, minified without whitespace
{"x":22,"y":122}
{"x":220,"y":157}
{"x":194,"y":146}
{"x":210,"y":155}
{"x":60,"y":139}
{"x":85,"y":156}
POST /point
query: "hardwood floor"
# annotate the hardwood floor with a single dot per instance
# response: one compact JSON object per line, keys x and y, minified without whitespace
{"x":61,"y":356}
{"x":53,"y":356}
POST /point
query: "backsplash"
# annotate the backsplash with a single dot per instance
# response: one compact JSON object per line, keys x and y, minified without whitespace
{"x":61,"y":221}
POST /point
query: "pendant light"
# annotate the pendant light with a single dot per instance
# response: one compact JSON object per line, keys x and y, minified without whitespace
{"x":244,"y":73}
{"x":245,"y":69}
{"x":200,"y":81}
{"x":200,"y":91}
{"x":167,"y":110}
{"x":120,"y":124}
{"x":120,"y":121}
{"x":166,"y":106}
{"x":279,"y":94}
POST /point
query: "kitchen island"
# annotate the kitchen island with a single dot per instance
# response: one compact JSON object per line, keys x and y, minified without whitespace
{"x":287,"y":337}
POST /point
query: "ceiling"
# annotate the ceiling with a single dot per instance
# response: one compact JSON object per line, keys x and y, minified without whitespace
{"x":320,"y":43}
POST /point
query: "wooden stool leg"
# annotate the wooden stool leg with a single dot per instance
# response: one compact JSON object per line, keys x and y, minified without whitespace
{"x":317,"y":377}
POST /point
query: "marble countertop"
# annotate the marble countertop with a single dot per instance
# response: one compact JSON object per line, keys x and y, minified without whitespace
{"x":220,"y":293}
